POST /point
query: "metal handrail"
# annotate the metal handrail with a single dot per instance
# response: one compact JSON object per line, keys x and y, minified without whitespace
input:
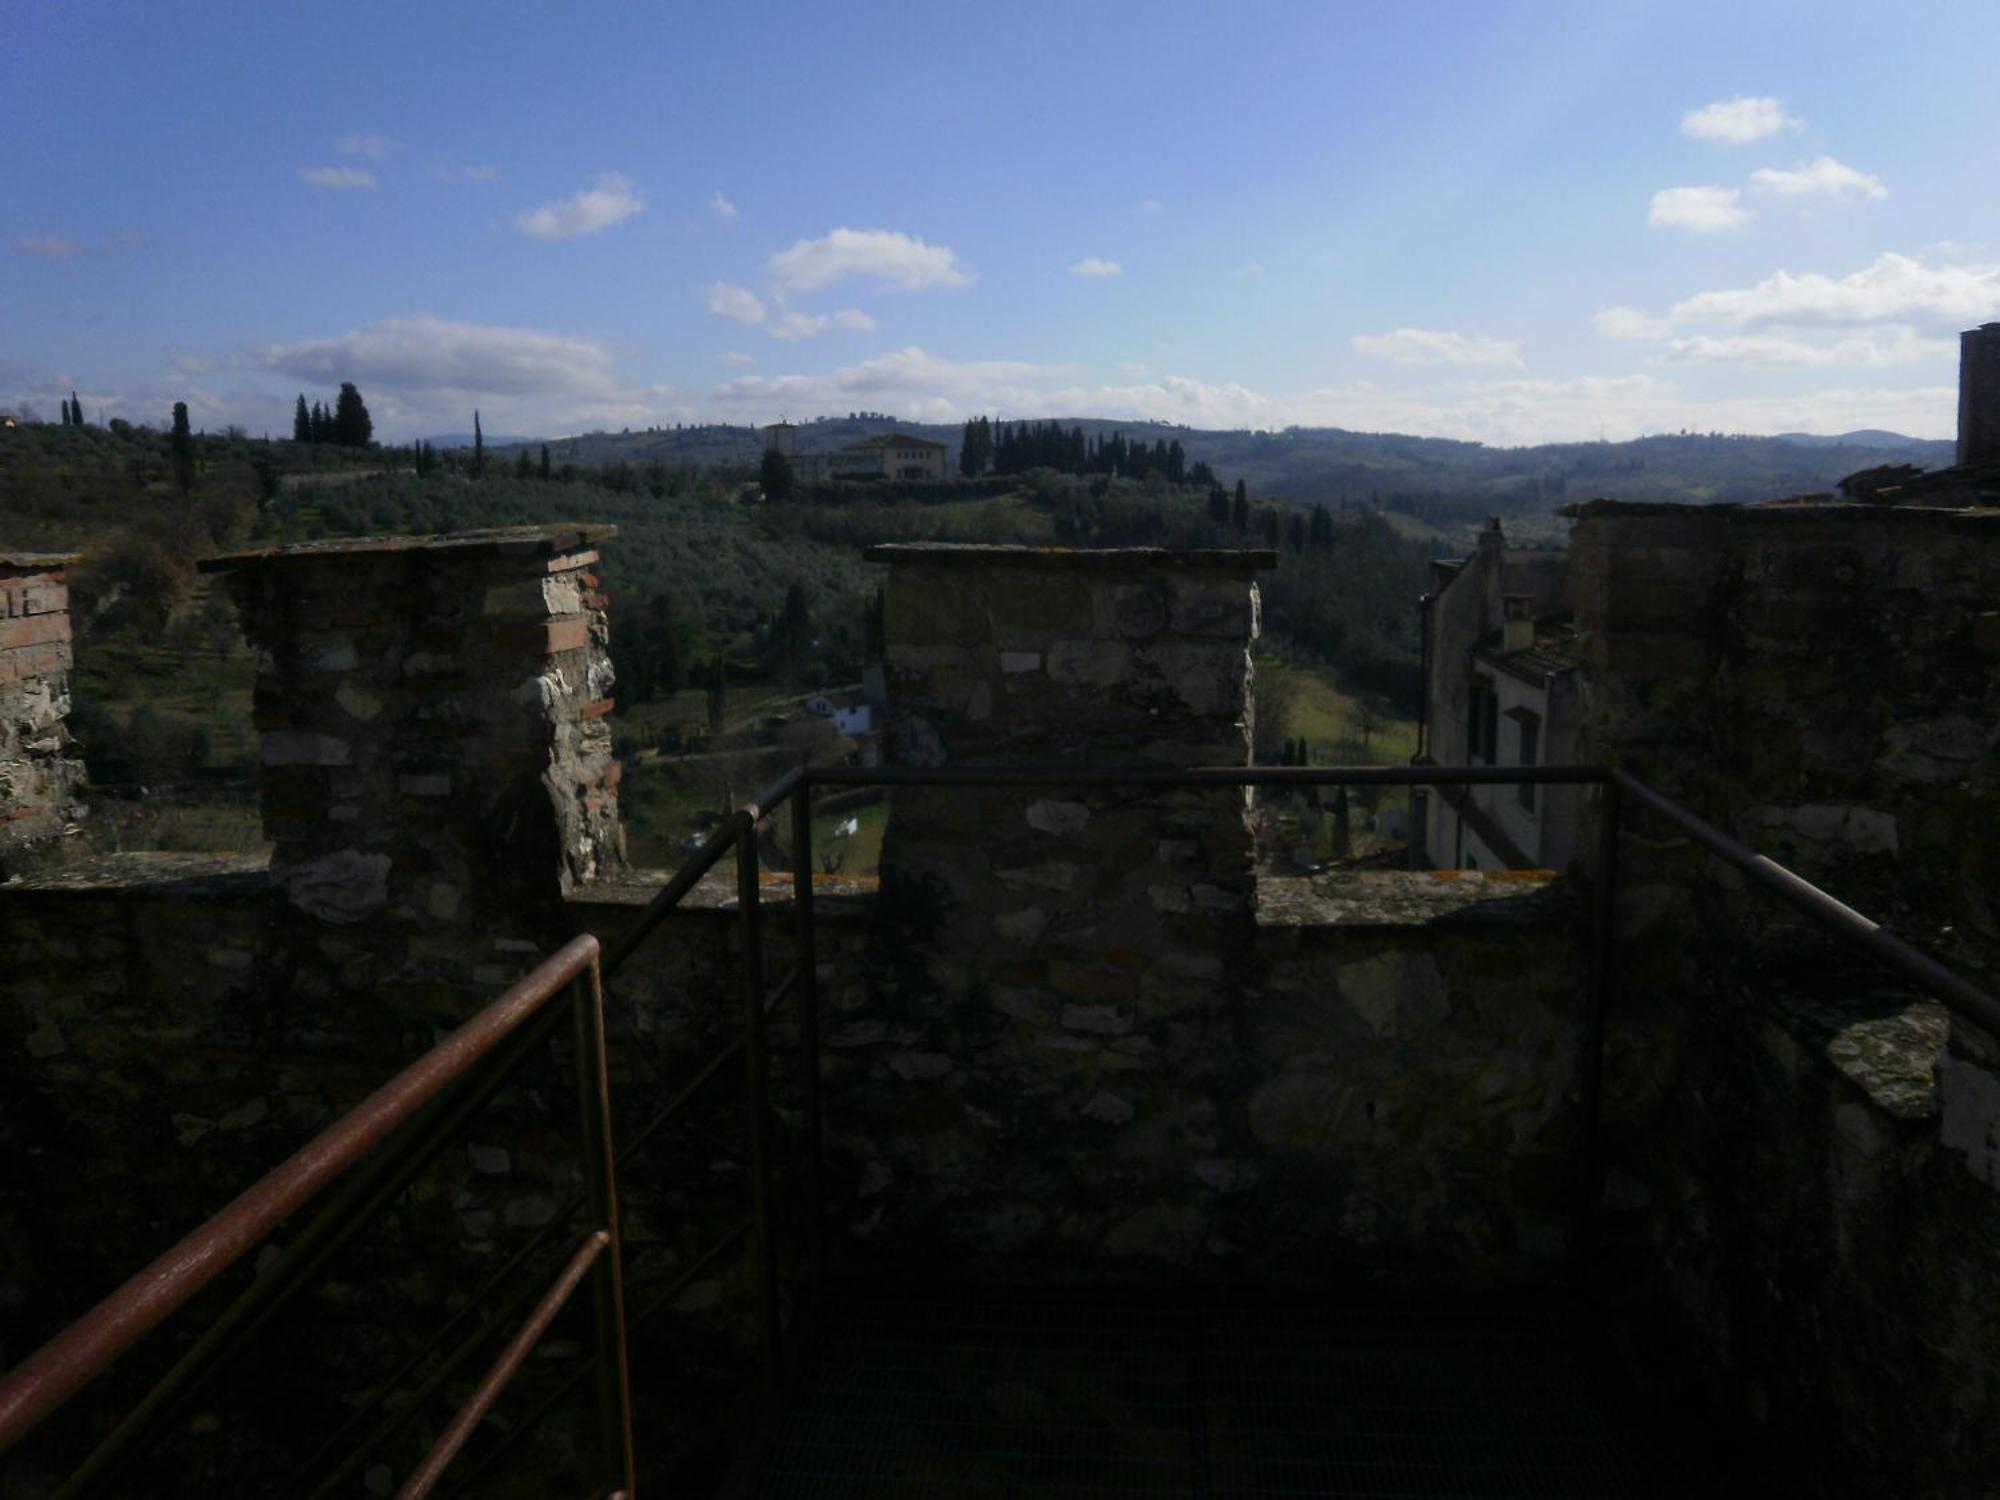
{"x":1957,"y":993}
{"x":87,"y":1348}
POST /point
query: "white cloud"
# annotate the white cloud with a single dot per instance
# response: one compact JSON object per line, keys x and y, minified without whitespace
{"x":338,"y":177}
{"x":798,"y":325}
{"x":910,"y":382}
{"x":1150,"y":206}
{"x":48,"y":246}
{"x":1738,"y":122}
{"x":424,"y":354}
{"x":611,"y":201}
{"x":1780,"y":351}
{"x":1136,"y":368}
{"x":1094,"y":266}
{"x":736,"y":359}
{"x":476,"y":173}
{"x":1700,"y":210}
{"x":1426,"y":346}
{"x":1629,"y":323}
{"x":737,"y":303}
{"x":1823,"y":177}
{"x":1511,"y":410}
{"x":889,"y":256}
{"x":1895,"y":311}
{"x":1891,"y":289}
{"x":373,"y":146}
{"x":724,"y":211}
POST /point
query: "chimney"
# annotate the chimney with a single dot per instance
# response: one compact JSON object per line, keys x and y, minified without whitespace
{"x":1517,"y":613}
{"x":433,"y":751}
{"x":1490,"y":537}
{"x":1979,"y":394}
{"x":41,"y":775}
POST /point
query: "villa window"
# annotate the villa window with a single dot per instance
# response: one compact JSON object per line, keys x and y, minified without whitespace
{"x":1531,"y":734}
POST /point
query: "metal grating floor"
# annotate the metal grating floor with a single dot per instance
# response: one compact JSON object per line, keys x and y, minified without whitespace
{"x":1000,"y":1396}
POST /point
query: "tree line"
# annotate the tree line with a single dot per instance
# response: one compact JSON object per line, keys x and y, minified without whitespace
{"x":985,"y":448}
{"x":345,"y":425}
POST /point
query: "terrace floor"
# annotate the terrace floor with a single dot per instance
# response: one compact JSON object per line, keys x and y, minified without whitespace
{"x":993,"y":1394}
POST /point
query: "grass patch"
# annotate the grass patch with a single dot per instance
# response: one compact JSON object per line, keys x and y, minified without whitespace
{"x":1340,"y":728}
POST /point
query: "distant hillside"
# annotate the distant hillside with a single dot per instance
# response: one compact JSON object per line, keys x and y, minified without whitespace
{"x":1439,"y":480}
{"x":1866,"y":437}
{"x":464,"y":440}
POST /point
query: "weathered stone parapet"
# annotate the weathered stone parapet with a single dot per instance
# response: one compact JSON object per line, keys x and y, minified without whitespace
{"x":41,"y":775}
{"x":431,"y":714}
{"x":1821,"y":680}
{"x":1059,"y":897}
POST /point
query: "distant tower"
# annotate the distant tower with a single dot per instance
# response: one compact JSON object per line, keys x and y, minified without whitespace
{"x":1979,"y":394}
{"x":782,"y":437}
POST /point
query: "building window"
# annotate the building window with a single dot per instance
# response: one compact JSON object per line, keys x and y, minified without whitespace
{"x":1482,"y":725}
{"x":1531,"y":734}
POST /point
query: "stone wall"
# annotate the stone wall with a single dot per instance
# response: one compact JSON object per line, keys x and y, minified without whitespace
{"x":435,"y":762}
{"x":41,"y":775}
{"x":1822,"y":681}
{"x":1784,"y":1214}
{"x":1393,"y":1096}
{"x":1063,"y":903}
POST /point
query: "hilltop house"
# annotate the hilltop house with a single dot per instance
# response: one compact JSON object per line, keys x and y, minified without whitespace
{"x":1499,"y":689}
{"x":889,"y":455}
{"x":893,"y":455}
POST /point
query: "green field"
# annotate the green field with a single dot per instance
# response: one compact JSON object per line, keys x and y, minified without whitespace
{"x":1340,"y":728}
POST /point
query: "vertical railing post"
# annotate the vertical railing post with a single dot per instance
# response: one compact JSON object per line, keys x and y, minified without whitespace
{"x":763,"y":1252}
{"x":1590,"y":1066}
{"x":808,"y":989}
{"x":614,"y":1381}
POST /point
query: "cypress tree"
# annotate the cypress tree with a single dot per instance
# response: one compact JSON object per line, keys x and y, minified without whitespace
{"x":182,"y":447}
{"x":524,"y":467}
{"x":301,"y":421}
{"x":75,"y":410}
{"x":1239,"y":513}
{"x":545,"y":463}
{"x":351,"y":425}
{"x":478,"y":446}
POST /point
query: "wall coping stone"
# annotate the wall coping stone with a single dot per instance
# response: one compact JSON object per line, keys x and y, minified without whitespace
{"x":547,"y":541}
{"x":36,"y":561}
{"x":1414,"y":899}
{"x":1231,"y":561}
{"x":1886,"y":1045}
{"x":1372,"y":898}
{"x":150,"y":872}
{"x":716,"y":891}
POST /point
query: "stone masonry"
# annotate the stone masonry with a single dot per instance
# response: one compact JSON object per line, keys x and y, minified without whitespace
{"x":1801,"y":1150}
{"x":431,"y":713}
{"x":41,"y":776}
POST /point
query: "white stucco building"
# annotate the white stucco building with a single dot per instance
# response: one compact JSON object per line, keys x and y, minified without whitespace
{"x":1499,"y":689}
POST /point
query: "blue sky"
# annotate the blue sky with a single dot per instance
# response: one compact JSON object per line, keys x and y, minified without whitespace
{"x":1505,"y":223}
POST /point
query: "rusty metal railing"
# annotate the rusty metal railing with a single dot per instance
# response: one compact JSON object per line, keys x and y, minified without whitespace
{"x":89,"y":1347}
{"x":407,"y":1121}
